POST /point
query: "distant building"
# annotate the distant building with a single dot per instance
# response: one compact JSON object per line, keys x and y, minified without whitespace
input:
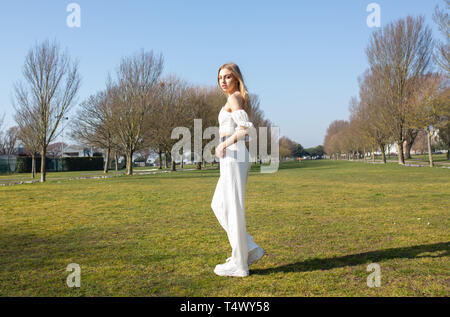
{"x":78,"y":151}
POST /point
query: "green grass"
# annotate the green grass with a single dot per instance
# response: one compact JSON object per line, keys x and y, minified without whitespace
{"x":156,"y":235}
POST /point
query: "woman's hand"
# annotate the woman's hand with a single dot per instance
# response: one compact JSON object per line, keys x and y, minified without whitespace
{"x":220,"y":150}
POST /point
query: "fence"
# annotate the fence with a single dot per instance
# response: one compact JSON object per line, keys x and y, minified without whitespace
{"x":8,"y":163}
{"x":22,"y":164}
{"x":17,"y":164}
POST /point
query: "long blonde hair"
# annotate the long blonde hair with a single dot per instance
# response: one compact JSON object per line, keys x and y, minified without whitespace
{"x":241,"y":85}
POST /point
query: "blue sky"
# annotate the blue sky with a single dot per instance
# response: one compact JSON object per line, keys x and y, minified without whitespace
{"x":301,"y":57}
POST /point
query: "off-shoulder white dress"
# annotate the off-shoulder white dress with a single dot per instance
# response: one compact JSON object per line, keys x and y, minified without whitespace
{"x":228,"y":202}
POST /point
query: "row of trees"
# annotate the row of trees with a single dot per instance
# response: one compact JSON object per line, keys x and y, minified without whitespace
{"x":138,"y":110}
{"x":399,"y":95}
{"x":288,"y":149}
{"x":135,"y":112}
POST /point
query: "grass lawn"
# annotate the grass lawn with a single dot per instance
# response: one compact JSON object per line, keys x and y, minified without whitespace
{"x":437,"y":158}
{"x":321,"y":223}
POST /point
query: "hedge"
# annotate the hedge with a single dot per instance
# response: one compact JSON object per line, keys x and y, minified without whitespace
{"x":67,"y":163}
{"x":23,"y":164}
{"x":83,"y":163}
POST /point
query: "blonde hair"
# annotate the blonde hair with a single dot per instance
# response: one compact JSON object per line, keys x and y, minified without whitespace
{"x":241,"y":85}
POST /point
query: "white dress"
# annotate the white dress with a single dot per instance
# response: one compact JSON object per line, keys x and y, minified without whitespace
{"x":228,"y":202}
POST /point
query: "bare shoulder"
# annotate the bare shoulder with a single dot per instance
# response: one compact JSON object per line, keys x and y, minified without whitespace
{"x":235,"y":101}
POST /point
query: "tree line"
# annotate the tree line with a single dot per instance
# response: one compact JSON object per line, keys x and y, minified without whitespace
{"x":133,"y":115}
{"x":291,"y":149}
{"x":401,"y":93}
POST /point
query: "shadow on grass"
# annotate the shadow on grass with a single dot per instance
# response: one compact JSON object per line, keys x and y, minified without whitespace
{"x":413,"y":252}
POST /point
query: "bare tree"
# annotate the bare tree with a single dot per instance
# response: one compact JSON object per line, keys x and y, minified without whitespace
{"x":133,"y":97}
{"x":203,"y":103}
{"x":374,"y":113}
{"x":47,"y":93}
{"x":411,"y":135}
{"x":444,"y":121}
{"x":334,"y":139}
{"x":359,"y":118}
{"x":441,"y":55}
{"x":430,"y":108}
{"x":171,"y":111}
{"x":399,"y":54}
{"x":143,"y":154}
{"x":420,"y":143}
{"x":9,"y":141}
{"x":444,"y":136}
{"x":91,"y":125}
{"x":258,"y":119}
{"x":2,"y":119}
{"x":28,"y":134}
{"x":287,"y":147}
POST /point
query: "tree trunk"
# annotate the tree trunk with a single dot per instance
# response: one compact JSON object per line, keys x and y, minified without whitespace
{"x":174,"y":166}
{"x":105,"y":170}
{"x":410,"y":138}
{"x":430,"y":155}
{"x":166,"y":158}
{"x":448,"y":153}
{"x":117,"y":162}
{"x":160,"y":159}
{"x":383,"y":154}
{"x":199,"y":164}
{"x":373,"y":155}
{"x":401,"y":159}
{"x":129,"y":158}
{"x":33,"y":165}
{"x":43,"y":173}
{"x":408,"y":150}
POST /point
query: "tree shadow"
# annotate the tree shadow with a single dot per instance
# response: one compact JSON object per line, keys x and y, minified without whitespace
{"x":413,"y":252}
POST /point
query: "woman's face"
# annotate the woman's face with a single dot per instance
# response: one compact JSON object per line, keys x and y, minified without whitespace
{"x":227,"y":81}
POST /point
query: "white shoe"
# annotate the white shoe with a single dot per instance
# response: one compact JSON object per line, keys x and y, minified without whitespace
{"x":254,"y":255}
{"x":229,"y":269}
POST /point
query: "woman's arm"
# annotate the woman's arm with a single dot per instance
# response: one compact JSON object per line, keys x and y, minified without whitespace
{"x":241,"y":119}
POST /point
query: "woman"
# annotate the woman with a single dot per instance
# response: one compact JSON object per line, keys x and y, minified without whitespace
{"x":228,"y":202}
